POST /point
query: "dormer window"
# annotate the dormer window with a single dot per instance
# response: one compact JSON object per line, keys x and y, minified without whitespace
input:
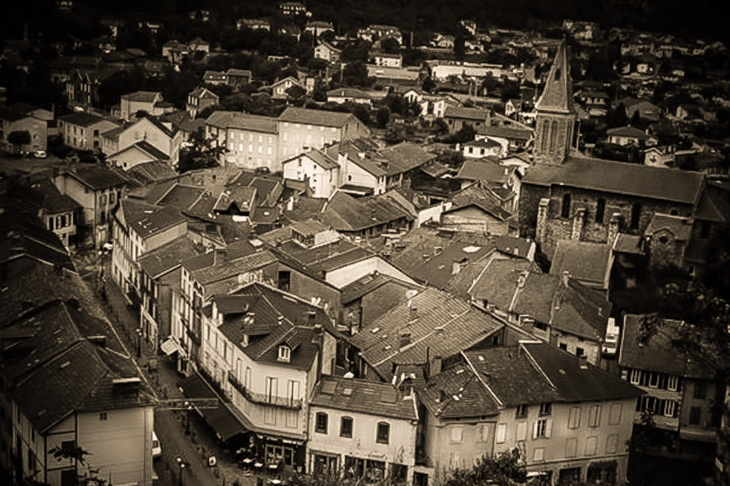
{"x":284,"y":353}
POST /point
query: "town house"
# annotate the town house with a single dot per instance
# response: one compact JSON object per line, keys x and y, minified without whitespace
{"x":150,"y":102}
{"x":251,"y":141}
{"x":144,"y":140}
{"x":82,"y":131}
{"x":317,"y":168}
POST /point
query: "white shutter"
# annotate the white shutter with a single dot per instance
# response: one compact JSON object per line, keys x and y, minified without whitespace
{"x":501,"y":433}
{"x":548,"y":428}
{"x":534,"y":429}
{"x":521,"y":430}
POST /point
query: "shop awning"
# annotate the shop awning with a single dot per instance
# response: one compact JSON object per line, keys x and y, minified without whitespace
{"x":221,"y":419}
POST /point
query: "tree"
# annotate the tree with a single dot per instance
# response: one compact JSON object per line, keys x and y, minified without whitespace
{"x":296,"y":96}
{"x":382,"y":117}
{"x":428,"y":84}
{"x":201,"y":154}
{"x":390,"y":45}
{"x":504,"y":469}
{"x":19,"y":138}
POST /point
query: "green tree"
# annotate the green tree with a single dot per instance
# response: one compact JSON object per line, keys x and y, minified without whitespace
{"x":201,"y":154}
{"x":18,"y":138}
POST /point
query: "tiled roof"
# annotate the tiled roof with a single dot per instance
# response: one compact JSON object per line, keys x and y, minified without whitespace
{"x":348,"y":93}
{"x":151,"y":172}
{"x":477,"y":114}
{"x":479,"y":196}
{"x":142,"y":96}
{"x":345,"y":213}
{"x":82,"y":119}
{"x":369,"y":283}
{"x":242,"y":121}
{"x":363,"y":396}
{"x":226,"y":268}
{"x":657,"y":353}
{"x":513,"y":245}
{"x":576,"y":381}
{"x":320,"y":158}
{"x":23,"y":234}
{"x":620,"y":178}
{"x":315,"y":117}
{"x":51,"y":199}
{"x":404,"y":157}
{"x":497,"y":283}
{"x":242,"y":197}
{"x":97,"y":177}
{"x":630,"y":244}
{"x":147,"y":220}
{"x":505,"y":132}
{"x":161,"y":260}
{"x":443,"y":326}
{"x":438,"y":269}
{"x":146,"y":147}
{"x":585,"y":261}
{"x":484,"y":170}
{"x":181,"y":196}
{"x":628,"y":131}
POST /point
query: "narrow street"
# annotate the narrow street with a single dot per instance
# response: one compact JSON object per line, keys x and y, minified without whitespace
{"x":191,"y":444}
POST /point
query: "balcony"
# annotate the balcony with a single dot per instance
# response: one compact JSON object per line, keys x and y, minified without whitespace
{"x":262,"y":399}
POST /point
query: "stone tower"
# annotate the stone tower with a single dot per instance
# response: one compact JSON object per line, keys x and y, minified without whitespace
{"x":556,"y":116}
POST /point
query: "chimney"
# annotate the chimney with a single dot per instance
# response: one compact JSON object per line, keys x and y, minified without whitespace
{"x":565,"y":278}
{"x":457,"y":266}
{"x":613,"y":228}
{"x":405,"y":340}
{"x":442,"y":396}
{"x":434,"y":366}
{"x":318,"y":339}
{"x":311,"y":316}
{"x":413,"y":314}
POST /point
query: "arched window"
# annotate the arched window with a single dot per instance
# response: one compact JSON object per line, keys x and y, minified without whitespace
{"x":565,"y":208}
{"x":635,"y":215}
{"x":600,"y":210}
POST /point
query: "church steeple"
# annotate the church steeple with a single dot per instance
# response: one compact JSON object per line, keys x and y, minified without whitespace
{"x":556,"y":114}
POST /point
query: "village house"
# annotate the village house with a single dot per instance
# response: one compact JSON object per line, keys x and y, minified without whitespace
{"x":199,"y":99}
{"x":349,"y":95}
{"x":59,"y":213}
{"x":279,"y":90}
{"x":15,"y":124}
{"x":318,"y":169}
{"x":149,"y":102}
{"x":251,"y":141}
{"x":98,"y":190}
{"x":143,"y":140}
{"x":327,"y":52}
{"x":568,"y":420}
{"x":83,"y":131}
{"x":457,"y":117}
{"x":679,"y":390}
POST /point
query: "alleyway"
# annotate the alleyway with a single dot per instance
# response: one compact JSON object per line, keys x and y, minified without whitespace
{"x":190,"y":443}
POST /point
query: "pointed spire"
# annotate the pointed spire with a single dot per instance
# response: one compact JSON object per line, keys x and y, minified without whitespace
{"x":557,"y":97}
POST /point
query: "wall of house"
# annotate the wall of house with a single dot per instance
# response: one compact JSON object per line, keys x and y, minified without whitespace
{"x":64,"y":225}
{"x":345,"y":275}
{"x":145,"y":130}
{"x":64,"y":431}
{"x":308,"y":288}
{"x":456,"y":445}
{"x":130,"y":108}
{"x":120,"y":445}
{"x":249,"y":149}
{"x":297,"y":138}
{"x":576,"y":345}
{"x":474,"y":220}
{"x":353,"y":174}
{"x":401,"y":447}
{"x":32,"y":444}
{"x":665,"y":250}
{"x":38,"y":130}
{"x":323,"y":182}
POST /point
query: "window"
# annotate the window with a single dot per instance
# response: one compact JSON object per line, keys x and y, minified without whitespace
{"x":293,"y":391}
{"x":346,"y":427}
{"x":539,"y":454}
{"x":615,"y":414}
{"x":102,"y":199}
{"x":271,"y":388}
{"x":612,"y":444}
{"x":284,"y":353}
{"x":320,"y":423}
{"x":383,"y":436}
{"x":695,"y":416}
{"x":571,"y":447}
{"x":521,"y":411}
{"x":501,"y":433}
{"x":103,"y":416}
{"x":521,"y":430}
{"x":546,"y":408}
{"x":600,"y":210}
{"x":700,"y":390}
{"x":594,"y":416}
{"x":542,"y":429}
{"x":591,"y":444}
{"x":111,"y":198}
{"x":565,"y":208}
{"x":574,"y":418}
{"x":672,"y":383}
{"x":635,"y":377}
{"x":670,"y":408}
{"x":653,"y":380}
{"x":457,"y":434}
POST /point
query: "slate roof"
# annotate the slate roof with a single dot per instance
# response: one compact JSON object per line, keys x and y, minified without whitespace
{"x":363,"y":396}
{"x":620,"y":178}
{"x":404,"y":157}
{"x":557,"y":96}
{"x":151,"y":172}
{"x":145,"y":147}
{"x":50,"y":199}
{"x":369,"y":283}
{"x":229,"y":267}
{"x":630,"y":244}
{"x":444,"y":326}
{"x":481,"y":197}
{"x":142,"y":96}
{"x":585,"y":261}
{"x":657,"y":352}
{"x":181,"y":196}
{"x":628,"y":131}
{"x":23,"y":234}
{"x":345,"y":213}
{"x":97,"y":177}
{"x":348,"y":93}
{"x":437,"y":269}
{"x":315,"y":117}
{"x":242,"y":197}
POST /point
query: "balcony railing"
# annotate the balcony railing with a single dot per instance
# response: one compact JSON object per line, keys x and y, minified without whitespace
{"x":263,"y":399}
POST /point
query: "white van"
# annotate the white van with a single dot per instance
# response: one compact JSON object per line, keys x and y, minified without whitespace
{"x":156,"y":447}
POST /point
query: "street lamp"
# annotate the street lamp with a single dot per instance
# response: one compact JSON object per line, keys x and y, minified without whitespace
{"x":187,"y":422}
{"x":183,"y":465}
{"x":139,"y":342}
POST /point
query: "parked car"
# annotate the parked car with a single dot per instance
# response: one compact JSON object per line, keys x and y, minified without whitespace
{"x":40,"y":154}
{"x":156,"y":446}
